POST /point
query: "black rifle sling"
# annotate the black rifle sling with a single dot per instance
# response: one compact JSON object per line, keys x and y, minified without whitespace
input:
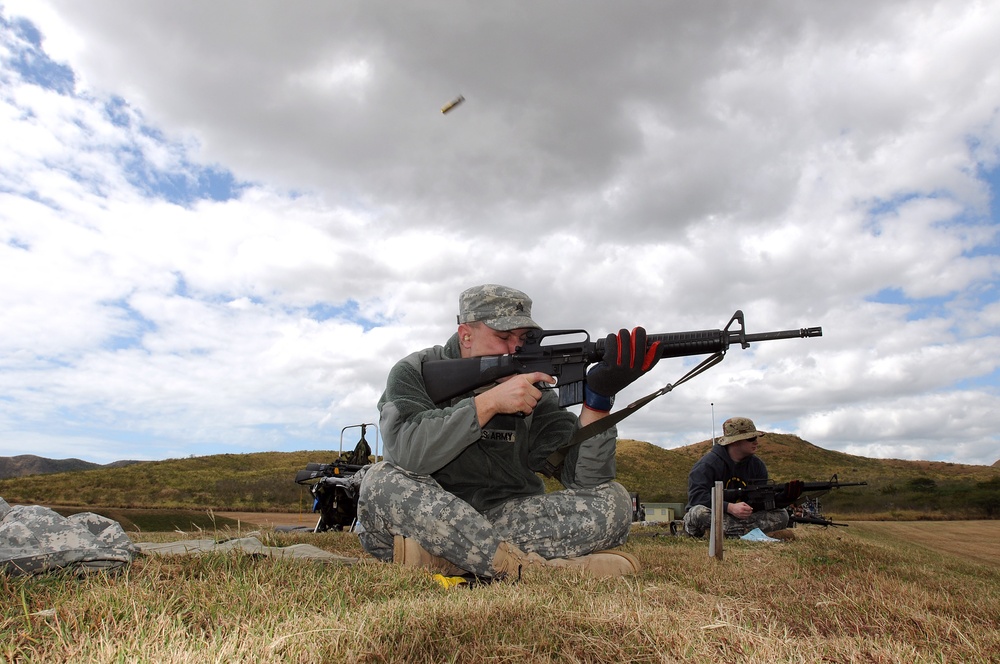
{"x":555,"y":460}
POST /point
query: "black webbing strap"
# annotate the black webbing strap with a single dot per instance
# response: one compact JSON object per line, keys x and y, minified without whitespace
{"x":555,"y":460}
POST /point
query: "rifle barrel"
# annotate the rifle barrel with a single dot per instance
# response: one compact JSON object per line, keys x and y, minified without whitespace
{"x":816,"y":521}
{"x":703,"y":342}
{"x":801,"y":333}
{"x":826,"y":486}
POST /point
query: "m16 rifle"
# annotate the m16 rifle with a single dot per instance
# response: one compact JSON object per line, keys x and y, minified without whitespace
{"x":334,"y":491}
{"x":568,"y":362}
{"x":788,"y":495}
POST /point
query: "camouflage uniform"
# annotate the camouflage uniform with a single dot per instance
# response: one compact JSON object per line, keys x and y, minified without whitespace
{"x":718,"y":466}
{"x":460,"y":490}
{"x":698,"y":521}
{"x":35,"y":539}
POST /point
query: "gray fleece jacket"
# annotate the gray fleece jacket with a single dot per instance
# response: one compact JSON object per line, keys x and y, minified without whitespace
{"x":483,"y":466}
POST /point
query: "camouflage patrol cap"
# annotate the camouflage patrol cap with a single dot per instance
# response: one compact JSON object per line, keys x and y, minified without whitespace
{"x":738,"y":428}
{"x":500,"y":307}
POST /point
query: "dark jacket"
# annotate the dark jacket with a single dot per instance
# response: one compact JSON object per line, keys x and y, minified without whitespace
{"x":717,"y":466}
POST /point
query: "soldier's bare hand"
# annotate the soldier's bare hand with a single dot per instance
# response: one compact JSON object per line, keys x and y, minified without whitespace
{"x":740,"y":510}
{"x":518,"y":394}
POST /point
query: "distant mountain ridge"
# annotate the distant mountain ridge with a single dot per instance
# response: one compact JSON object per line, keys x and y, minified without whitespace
{"x":30,"y":464}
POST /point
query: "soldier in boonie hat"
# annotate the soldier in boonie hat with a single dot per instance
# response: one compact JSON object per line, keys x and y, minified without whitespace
{"x":499,"y":307}
{"x":738,"y":428}
{"x":733,"y":461}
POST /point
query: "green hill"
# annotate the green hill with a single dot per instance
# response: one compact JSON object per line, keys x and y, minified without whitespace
{"x":265,"y":481}
{"x":262,"y":481}
{"x":789,"y":457}
{"x":896,"y":488}
{"x":29,"y":464}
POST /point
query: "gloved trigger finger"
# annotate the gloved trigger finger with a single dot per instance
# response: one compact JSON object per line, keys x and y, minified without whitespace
{"x":624,"y":349}
{"x":651,"y":356}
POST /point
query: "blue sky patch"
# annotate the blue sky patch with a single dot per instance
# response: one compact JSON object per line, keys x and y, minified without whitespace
{"x":184,"y":184}
{"x":347,"y":311}
{"x":881,"y":207}
{"x":943,"y":306}
{"x":919,"y":308}
{"x":988,"y":382}
{"x":181,"y":287}
{"x":33,"y":64}
{"x":992,"y":177}
{"x":116,"y":111}
{"x":138,"y":326}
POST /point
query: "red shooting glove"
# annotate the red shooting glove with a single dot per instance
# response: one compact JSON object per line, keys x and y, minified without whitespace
{"x":626,"y":358}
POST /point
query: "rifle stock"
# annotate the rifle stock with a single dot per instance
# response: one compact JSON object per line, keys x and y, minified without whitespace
{"x":567,"y":362}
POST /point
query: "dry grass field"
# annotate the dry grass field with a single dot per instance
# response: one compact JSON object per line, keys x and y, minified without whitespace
{"x":844,"y":595}
{"x":977,"y":541}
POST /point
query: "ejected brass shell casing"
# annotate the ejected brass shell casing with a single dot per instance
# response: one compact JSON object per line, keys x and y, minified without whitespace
{"x":452,"y":104}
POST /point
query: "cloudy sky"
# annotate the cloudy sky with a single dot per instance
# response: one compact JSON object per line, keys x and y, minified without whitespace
{"x":221,"y":223}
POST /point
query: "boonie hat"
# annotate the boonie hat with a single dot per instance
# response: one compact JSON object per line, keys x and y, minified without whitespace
{"x":738,"y":428}
{"x":499,"y":307}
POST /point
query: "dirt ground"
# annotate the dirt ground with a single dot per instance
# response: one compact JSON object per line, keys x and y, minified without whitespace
{"x":978,"y":541}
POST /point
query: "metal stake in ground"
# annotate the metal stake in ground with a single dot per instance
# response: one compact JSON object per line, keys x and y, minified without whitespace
{"x":715,"y":533}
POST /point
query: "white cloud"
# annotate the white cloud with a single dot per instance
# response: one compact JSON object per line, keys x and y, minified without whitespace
{"x":661,"y":165}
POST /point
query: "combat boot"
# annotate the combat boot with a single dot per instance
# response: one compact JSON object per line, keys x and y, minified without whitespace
{"x":601,"y":563}
{"x":511,"y":562}
{"x":408,"y":553}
